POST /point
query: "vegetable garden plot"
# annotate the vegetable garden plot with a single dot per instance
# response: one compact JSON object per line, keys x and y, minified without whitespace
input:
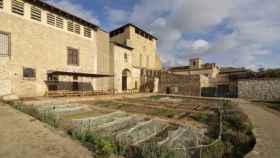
{"x":92,"y":123}
{"x":60,"y":108}
{"x":112,"y":128}
{"x":182,"y":139}
{"x":161,"y":136}
{"x":141,"y":132}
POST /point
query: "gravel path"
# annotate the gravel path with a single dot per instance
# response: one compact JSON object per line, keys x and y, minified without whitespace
{"x":267,"y":130}
{"x":21,"y":136}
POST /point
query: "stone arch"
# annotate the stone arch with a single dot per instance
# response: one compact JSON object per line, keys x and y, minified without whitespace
{"x":126,"y":77}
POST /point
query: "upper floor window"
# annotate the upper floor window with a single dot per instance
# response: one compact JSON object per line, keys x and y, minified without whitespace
{"x":51,"y":19}
{"x":59,"y":22}
{"x":72,"y":56}
{"x":87,"y":32}
{"x":29,"y":73}
{"x":5,"y":44}
{"x":140,"y":58}
{"x":147,"y":61}
{"x":70,"y":26}
{"x":125,"y":58}
{"x":77,"y":28}
{"x":36,"y":13}
{"x":1,"y":4}
{"x":18,"y":7}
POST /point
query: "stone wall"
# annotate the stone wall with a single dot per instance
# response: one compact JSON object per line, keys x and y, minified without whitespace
{"x":43,"y":47}
{"x":179,"y":84}
{"x":260,"y":89}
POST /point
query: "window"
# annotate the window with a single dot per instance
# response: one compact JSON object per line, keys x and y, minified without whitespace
{"x":77,"y":29}
{"x":140,"y":63}
{"x":87,"y":32}
{"x":1,"y":4}
{"x":70,"y":26}
{"x":50,"y":19}
{"x":18,"y":7}
{"x":125,"y":58}
{"x":59,"y":22}
{"x":36,"y":13}
{"x":5,"y":44}
{"x":73,"y":56}
{"x":29,"y":73}
{"x":75,"y":78}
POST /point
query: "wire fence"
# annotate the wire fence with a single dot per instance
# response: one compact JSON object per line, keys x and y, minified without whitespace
{"x":206,"y":151}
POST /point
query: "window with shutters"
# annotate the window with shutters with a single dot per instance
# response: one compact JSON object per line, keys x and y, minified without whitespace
{"x":77,"y":28}
{"x":36,"y":13}
{"x":50,"y":19}
{"x":1,"y":4}
{"x":59,"y":22}
{"x":29,"y":73}
{"x":18,"y":7}
{"x":70,"y":26}
{"x":5,"y":44}
{"x":87,"y":32}
{"x":72,"y":56}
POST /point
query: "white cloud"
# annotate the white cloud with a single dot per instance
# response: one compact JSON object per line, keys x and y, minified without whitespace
{"x":255,"y":30}
{"x":200,"y":44}
{"x":252,"y":41}
{"x":117,"y":16}
{"x":76,"y":9}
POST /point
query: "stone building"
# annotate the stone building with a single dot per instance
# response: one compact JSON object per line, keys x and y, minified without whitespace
{"x":44,"y":48}
{"x":134,"y":49}
{"x":197,"y":67}
{"x":214,"y":81}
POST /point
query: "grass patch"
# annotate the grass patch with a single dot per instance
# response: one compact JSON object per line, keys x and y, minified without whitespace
{"x":157,"y":97}
{"x":81,"y":115}
{"x":163,"y":112}
{"x":111,"y":104}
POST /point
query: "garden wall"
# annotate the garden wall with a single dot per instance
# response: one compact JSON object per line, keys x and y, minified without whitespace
{"x":259,"y":89}
{"x":179,"y":84}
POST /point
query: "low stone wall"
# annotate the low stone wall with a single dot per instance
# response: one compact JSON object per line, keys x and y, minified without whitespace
{"x":179,"y":84}
{"x":259,"y":89}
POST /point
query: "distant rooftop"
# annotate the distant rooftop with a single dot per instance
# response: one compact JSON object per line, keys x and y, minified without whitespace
{"x":226,"y":70}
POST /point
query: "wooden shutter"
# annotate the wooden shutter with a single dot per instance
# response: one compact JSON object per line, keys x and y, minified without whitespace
{"x":36,"y":13}
{"x":77,"y":28}
{"x":18,"y":7}
{"x":51,"y":19}
{"x":73,"y":56}
{"x":5,"y":44}
{"x":87,"y":32}
{"x":1,"y":4}
{"x":70,"y":26}
{"x":59,"y":22}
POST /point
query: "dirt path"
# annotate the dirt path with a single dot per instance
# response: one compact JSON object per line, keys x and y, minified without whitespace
{"x":21,"y":136}
{"x":267,"y":130}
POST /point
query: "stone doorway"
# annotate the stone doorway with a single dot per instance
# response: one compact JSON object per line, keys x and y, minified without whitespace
{"x":126,"y":75}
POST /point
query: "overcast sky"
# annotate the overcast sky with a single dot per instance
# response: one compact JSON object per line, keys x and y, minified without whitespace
{"x":229,"y":32}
